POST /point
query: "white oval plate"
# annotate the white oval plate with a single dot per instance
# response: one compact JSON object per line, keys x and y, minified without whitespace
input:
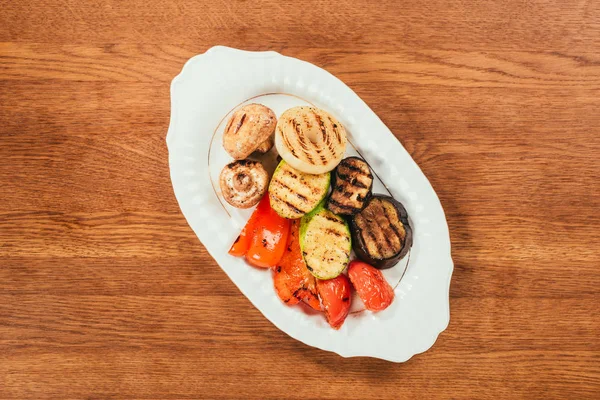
{"x":208,"y":89}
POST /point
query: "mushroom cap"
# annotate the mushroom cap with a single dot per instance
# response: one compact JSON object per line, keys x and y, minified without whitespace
{"x":243,"y":183}
{"x":247,"y":129}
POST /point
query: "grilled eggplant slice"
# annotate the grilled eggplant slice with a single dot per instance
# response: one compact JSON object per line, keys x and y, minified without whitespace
{"x":352,"y":184}
{"x":325,"y":242}
{"x":294,"y":193}
{"x":381,"y":232}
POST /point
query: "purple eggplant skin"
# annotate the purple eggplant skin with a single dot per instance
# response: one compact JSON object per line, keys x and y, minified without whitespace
{"x":358,"y":242}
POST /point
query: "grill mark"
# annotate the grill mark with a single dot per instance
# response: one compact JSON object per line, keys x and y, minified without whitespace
{"x":302,"y":182}
{"x":341,"y":206}
{"x":371,"y":236}
{"x":353,"y":167}
{"x":316,"y":146}
{"x":302,"y":142}
{"x":243,"y":163}
{"x":330,"y":145}
{"x":386,"y":237}
{"x":239,"y":125}
{"x":332,"y":219}
{"x":309,"y":157}
{"x":281,"y":199}
{"x":335,"y":130}
{"x":301,"y":197}
{"x":298,"y":135}
{"x":333,"y":232}
{"x":328,"y":139}
{"x":291,"y":173}
{"x":288,"y":144}
{"x":359,"y":184}
{"x":228,"y":127}
{"x":338,"y":136}
{"x":321,"y":126}
{"x":292,"y":207}
{"x":351,"y":180}
{"x":401,"y":238}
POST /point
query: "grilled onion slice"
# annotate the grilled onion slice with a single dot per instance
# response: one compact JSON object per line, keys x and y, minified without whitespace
{"x":381,"y":234}
{"x":310,"y":140}
{"x":243,"y":183}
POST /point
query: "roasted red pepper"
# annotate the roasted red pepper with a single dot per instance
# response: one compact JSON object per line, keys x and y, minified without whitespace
{"x":292,"y":280}
{"x":268,"y":235}
{"x":242,"y":243}
{"x":264,"y":238}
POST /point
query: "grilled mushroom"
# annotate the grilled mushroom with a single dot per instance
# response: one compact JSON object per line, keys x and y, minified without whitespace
{"x":352,"y":183}
{"x":265,"y":146}
{"x":381,"y":234}
{"x":243,"y":183}
{"x":249,"y":129}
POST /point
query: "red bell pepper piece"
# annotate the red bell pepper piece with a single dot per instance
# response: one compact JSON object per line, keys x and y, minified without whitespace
{"x":292,"y":280}
{"x":270,"y":237}
{"x":264,"y":238}
{"x":242,"y":243}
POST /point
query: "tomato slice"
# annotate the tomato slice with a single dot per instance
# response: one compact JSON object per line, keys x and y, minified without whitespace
{"x":371,"y":286}
{"x":292,"y":280}
{"x":269,"y":240}
{"x":336,"y":297}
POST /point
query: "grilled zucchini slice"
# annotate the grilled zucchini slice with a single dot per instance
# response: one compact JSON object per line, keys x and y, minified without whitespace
{"x":381,"y":233}
{"x":293,"y":193}
{"x":352,"y":184}
{"x":325,"y":242}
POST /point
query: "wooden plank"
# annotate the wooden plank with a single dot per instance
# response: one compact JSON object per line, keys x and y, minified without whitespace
{"x":105,"y":292}
{"x":560,"y":25}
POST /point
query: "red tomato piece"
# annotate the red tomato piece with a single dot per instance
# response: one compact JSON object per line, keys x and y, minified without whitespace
{"x":270,"y":236}
{"x":336,"y":297}
{"x":371,"y":286}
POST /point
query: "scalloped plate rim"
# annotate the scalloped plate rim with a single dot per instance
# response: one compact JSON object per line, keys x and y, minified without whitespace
{"x":345,"y":353}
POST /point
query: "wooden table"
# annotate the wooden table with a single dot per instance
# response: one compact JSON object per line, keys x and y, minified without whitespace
{"x":105,"y":292}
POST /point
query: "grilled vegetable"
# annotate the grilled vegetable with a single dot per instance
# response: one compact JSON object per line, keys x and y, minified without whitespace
{"x":243,"y":183}
{"x":325,"y":242}
{"x":291,"y":278}
{"x":310,"y":140}
{"x":372,"y":288}
{"x":294,"y":193}
{"x":269,"y":239}
{"x":265,"y":146}
{"x":336,"y":298}
{"x":248,"y":129}
{"x":240,"y":247}
{"x":352,"y":183}
{"x":381,"y":233}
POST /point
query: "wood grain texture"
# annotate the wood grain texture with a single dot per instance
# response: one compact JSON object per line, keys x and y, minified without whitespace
{"x":105,"y":292}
